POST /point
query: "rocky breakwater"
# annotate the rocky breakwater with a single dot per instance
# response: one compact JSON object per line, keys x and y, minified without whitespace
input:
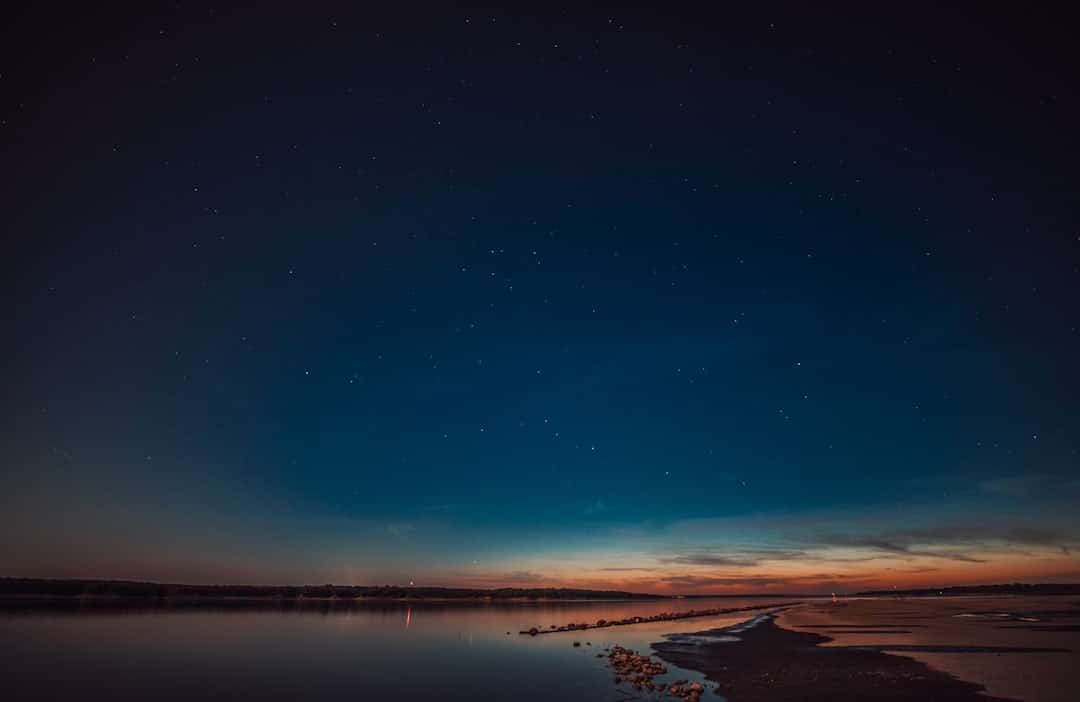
{"x":662,"y":617}
{"x":639,"y":671}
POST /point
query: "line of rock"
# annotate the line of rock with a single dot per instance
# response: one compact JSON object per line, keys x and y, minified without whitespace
{"x":638,"y":670}
{"x":662,"y":617}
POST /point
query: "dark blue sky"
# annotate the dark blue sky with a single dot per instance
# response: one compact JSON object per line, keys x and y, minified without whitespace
{"x":660,"y":299}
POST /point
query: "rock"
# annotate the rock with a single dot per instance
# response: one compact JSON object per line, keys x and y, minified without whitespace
{"x":577,"y":644}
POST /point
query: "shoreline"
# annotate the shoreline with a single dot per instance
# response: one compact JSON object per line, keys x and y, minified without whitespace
{"x":90,"y":602}
{"x":127,"y":589}
{"x":770,"y":663}
{"x":273,"y":599}
{"x":964,"y":649}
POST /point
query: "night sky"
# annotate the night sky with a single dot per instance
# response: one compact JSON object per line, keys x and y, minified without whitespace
{"x":676,"y":301}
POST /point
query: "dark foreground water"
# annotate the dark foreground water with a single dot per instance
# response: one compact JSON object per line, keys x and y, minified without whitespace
{"x":324,"y":652}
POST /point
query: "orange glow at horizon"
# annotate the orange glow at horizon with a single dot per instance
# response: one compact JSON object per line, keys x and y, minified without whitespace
{"x":818,"y":576}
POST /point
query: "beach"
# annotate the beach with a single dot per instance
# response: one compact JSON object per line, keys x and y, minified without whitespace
{"x":941,"y":648}
{"x":962,"y":648}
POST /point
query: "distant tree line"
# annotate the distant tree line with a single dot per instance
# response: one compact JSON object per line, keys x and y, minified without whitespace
{"x":1003,"y":589}
{"x":23,"y":587}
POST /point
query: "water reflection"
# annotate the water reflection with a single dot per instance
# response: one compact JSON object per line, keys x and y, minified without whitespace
{"x":323,"y":650}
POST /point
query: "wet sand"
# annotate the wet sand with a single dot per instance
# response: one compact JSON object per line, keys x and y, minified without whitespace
{"x":963,"y":648}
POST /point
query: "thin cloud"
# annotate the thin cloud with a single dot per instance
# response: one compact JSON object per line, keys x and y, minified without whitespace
{"x":751,"y":581}
{"x":899,"y":549}
{"x":628,"y":569}
{"x":400,"y":529}
{"x":737,"y":559}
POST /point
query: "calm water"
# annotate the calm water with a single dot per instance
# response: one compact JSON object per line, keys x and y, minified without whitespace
{"x":454,"y":651}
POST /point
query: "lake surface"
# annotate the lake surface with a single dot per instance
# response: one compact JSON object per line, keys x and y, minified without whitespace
{"x":329,"y":652}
